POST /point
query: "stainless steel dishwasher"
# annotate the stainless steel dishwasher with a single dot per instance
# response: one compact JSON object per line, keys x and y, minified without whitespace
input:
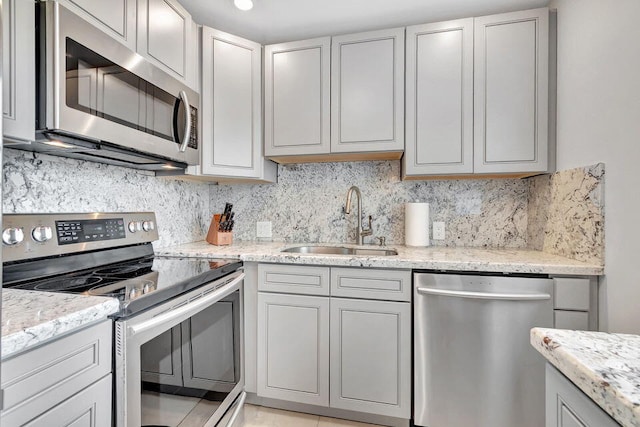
{"x":474,"y":365}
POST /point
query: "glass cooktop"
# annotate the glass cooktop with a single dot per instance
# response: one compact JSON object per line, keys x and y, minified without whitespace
{"x":138,"y":284}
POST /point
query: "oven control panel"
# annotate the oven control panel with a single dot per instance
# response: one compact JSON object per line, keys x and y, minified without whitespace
{"x":81,"y":231}
{"x":29,"y":236}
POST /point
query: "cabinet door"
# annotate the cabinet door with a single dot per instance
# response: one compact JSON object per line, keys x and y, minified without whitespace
{"x":367,"y":91}
{"x":568,"y":406}
{"x":160,"y":359}
{"x":115,"y":17}
{"x":296,"y":97}
{"x":46,"y":376}
{"x":371,"y":357}
{"x":166,"y":36}
{"x":293,"y":348}
{"x":511,"y":92}
{"x":89,"y":408}
{"x":231,"y":105}
{"x":18,"y":70}
{"x":439,"y":98}
{"x":209,"y":361}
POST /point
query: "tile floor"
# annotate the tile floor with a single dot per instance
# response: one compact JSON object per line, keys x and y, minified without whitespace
{"x":259,"y":416}
{"x":180,"y":411}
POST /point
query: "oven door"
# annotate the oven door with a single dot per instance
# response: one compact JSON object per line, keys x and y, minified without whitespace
{"x":97,"y":89}
{"x":182,"y":363}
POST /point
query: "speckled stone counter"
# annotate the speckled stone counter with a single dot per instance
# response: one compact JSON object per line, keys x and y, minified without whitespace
{"x":430,"y":258}
{"x":606,"y":367}
{"x":31,"y":317}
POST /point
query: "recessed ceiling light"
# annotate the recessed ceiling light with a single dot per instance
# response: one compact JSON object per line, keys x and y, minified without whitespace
{"x":243,"y":4}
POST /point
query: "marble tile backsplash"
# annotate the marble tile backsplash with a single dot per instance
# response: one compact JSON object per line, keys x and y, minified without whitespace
{"x":307,"y":205}
{"x":44,"y":184}
{"x":566,"y":213}
{"x":561,"y":213}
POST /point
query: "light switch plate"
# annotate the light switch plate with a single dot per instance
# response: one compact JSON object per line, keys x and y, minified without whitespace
{"x":438,"y":230}
{"x":263,"y":229}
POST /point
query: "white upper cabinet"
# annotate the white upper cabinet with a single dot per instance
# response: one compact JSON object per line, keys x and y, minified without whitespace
{"x":167,"y":37}
{"x":231,"y":106}
{"x":511,"y":92}
{"x":439,"y":92}
{"x":367,"y":92}
{"x":297,"y":93}
{"x":115,"y":17}
{"x":18,"y":70}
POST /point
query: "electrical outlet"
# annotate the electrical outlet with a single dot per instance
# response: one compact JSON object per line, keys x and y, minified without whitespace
{"x":438,"y":231}
{"x":263,"y":229}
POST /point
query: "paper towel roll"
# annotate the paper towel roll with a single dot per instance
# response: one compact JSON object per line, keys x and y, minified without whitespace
{"x":416,"y":224}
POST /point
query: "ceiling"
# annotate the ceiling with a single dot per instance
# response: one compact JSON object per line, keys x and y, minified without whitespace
{"x":273,"y":21}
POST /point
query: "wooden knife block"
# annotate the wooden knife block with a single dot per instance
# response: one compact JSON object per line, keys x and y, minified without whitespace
{"x":218,"y":238}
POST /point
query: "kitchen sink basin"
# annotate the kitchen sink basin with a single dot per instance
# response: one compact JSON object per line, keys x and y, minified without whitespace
{"x":340,"y":250}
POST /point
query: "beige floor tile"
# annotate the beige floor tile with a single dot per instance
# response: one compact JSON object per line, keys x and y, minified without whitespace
{"x":295,"y":419}
{"x":336,"y":422}
{"x":260,"y":416}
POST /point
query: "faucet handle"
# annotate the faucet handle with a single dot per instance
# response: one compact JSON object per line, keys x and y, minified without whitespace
{"x":369,"y":230}
{"x":382,"y":240}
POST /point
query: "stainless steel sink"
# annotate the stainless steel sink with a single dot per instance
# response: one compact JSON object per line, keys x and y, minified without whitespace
{"x":340,"y":250}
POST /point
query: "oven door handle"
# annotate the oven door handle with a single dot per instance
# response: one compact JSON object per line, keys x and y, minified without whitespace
{"x":237,"y":409}
{"x":187,"y":310}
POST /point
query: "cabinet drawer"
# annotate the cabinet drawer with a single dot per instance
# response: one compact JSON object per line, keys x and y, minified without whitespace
{"x":393,"y":285}
{"x":572,"y":293}
{"x":575,"y":320}
{"x":293,"y":279}
{"x":39,"y":379}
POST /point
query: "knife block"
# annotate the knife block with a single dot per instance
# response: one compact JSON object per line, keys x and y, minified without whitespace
{"x":218,"y":238}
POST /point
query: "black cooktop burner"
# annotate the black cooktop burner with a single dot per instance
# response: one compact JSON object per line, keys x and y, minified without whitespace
{"x":126,"y":271}
{"x":65,"y":284}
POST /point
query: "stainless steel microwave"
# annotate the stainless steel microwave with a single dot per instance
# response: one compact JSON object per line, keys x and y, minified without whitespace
{"x":98,"y":100}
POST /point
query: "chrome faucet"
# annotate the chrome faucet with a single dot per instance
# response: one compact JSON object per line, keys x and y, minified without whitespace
{"x":360,"y":232}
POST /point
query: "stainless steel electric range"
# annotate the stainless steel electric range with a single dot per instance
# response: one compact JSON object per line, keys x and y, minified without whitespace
{"x":178,"y":352}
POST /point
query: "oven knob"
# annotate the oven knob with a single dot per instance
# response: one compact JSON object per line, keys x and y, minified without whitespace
{"x":148,"y":226}
{"x":134,"y":226}
{"x":12,"y":236}
{"x":42,"y":233}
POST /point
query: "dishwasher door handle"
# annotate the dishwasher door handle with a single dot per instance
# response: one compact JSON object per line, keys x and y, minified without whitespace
{"x":483,"y":295}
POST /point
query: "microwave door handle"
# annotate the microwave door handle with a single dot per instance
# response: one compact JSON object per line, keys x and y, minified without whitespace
{"x":187,"y":119}
{"x":186,"y":310}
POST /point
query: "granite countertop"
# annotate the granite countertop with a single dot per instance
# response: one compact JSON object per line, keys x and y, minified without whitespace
{"x":31,"y":317}
{"x":606,"y":367}
{"x":430,"y":258}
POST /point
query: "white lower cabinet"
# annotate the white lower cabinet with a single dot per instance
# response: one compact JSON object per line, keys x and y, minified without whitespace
{"x":370,"y":356}
{"x":66,"y":382}
{"x":344,"y":353}
{"x":568,"y":406}
{"x":293,"y":348}
{"x":89,"y":408}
